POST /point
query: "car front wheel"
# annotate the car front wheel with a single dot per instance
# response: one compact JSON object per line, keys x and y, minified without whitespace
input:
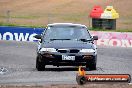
{"x":39,"y":65}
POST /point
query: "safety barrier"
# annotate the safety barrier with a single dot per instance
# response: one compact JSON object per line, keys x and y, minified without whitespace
{"x":19,"y":33}
{"x":119,"y":39}
{"x":105,"y":38}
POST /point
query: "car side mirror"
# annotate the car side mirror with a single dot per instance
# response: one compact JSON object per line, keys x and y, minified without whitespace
{"x":38,"y":36}
{"x":95,"y":37}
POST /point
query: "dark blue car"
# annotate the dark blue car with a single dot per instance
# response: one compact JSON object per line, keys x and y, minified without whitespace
{"x":66,"y":44}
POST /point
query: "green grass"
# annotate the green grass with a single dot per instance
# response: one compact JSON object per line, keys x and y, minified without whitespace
{"x":20,"y":16}
{"x":124,"y":30}
{"x":42,"y":26}
{"x":7,"y":24}
{"x":74,"y":18}
{"x":24,"y":25}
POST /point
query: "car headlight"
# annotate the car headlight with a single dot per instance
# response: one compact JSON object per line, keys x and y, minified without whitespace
{"x":87,"y":50}
{"x":48,"y":50}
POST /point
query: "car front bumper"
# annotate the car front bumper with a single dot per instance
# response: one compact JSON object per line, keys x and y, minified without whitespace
{"x":56,"y":59}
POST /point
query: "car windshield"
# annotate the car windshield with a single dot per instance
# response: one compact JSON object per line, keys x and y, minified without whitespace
{"x":67,"y":33}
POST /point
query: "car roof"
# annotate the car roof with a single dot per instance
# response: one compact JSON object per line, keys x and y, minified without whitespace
{"x":66,"y":24}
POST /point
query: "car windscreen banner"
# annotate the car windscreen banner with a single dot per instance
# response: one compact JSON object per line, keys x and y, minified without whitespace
{"x":19,"y":33}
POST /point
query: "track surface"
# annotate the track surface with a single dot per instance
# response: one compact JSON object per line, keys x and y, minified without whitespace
{"x":19,"y":59}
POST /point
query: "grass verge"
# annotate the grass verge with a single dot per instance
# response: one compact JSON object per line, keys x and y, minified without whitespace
{"x":43,"y":26}
{"x":24,"y":25}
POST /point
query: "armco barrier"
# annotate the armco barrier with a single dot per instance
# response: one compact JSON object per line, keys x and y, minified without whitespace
{"x":105,"y":38}
{"x":19,"y":33}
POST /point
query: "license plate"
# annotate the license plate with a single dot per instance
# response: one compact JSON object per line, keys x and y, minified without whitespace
{"x":68,"y":57}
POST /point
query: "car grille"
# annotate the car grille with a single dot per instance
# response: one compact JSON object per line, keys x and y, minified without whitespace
{"x":69,"y":51}
{"x":74,"y":51}
{"x":63,"y":51}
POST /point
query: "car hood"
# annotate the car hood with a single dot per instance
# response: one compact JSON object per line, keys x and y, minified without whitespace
{"x":67,"y":44}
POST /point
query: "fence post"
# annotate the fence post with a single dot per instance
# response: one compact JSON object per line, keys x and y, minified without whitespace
{"x":8,"y":16}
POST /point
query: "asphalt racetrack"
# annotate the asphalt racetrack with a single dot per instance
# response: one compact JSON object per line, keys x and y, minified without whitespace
{"x":18,"y":61}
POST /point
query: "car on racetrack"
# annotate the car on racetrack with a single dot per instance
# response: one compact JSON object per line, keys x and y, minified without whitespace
{"x":66,"y":44}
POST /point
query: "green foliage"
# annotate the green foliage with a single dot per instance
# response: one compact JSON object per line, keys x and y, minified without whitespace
{"x":7,"y":24}
{"x":32,"y":26}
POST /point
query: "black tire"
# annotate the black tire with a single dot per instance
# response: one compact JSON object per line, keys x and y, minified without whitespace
{"x":81,"y":80}
{"x":39,"y":65}
{"x":91,"y":65}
